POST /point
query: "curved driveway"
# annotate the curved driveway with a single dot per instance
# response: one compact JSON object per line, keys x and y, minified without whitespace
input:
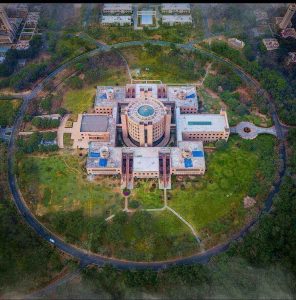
{"x":83,"y":256}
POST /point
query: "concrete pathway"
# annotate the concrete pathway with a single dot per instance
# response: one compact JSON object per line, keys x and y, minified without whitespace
{"x":242,"y":129}
{"x":61,"y":130}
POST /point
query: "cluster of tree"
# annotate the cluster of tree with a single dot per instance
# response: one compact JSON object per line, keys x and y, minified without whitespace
{"x":273,"y":81}
{"x":27,"y":76}
{"x":26,"y":260}
{"x":233,"y":103}
{"x":7,"y":113}
{"x":75,"y":82}
{"x":45,"y":122}
{"x":33,"y":143}
{"x":12,"y":56}
{"x":274,"y":239}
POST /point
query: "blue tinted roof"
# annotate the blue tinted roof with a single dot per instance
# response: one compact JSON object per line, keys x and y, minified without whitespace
{"x":197,"y":153}
{"x":199,"y":123}
{"x":146,"y":20}
{"x":146,"y":110}
{"x":103,"y":162}
{"x":191,"y":96}
{"x":94,"y":154}
{"x":103,"y":96}
{"x":188,"y":163}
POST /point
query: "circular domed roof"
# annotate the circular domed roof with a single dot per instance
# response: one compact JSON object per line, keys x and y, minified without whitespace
{"x":146,"y":110}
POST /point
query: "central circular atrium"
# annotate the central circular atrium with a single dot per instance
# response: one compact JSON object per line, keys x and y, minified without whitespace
{"x":146,"y":110}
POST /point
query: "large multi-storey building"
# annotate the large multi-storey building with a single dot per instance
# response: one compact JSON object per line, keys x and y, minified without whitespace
{"x":146,"y":118}
{"x":286,"y":21}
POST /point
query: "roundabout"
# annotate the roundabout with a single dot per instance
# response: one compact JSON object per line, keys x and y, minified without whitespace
{"x":86,"y":257}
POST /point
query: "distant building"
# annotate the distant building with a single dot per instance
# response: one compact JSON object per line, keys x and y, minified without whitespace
{"x":288,"y":32}
{"x":291,"y":59}
{"x":235,"y":43}
{"x":271,"y":44}
{"x":170,"y":8}
{"x":260,"y":15}
{"x":176,"y":19}
{"x":288,"y":16}
{"x":116,"y":20}
{"x":117,"y":8}
{"x":8,"y":27}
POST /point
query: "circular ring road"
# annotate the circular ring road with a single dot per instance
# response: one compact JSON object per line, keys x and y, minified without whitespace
{"x":87,"y":258}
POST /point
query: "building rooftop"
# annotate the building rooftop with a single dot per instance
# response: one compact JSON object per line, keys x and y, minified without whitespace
{"x":183,"y":95}
{"x":199,"y":123}
{"x":117,"y":6}
{"x":271,"y":44}
{"x":95,"y":158}
{"x":288,"y":32}
{"x":116,"y":19}
{"x":236,"y":43}
{"x":146,"y":159}
{"x":94,"y":123}
{"x":176,"y":19}
{"x":175,"y":6}
{"x":195,"y":158}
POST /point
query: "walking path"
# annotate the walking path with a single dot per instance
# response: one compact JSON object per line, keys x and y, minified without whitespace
{"x":249,"y":131}
{"x":91,"y":258}
{"x":61,"y":130}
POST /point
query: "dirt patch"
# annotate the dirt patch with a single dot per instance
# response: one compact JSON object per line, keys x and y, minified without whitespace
{"x":212,"y":93}
{"x":156,"y":37}
{"x":245,"y":95}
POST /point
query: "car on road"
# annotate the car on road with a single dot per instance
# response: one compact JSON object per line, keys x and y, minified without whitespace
{"x":52,"y":240}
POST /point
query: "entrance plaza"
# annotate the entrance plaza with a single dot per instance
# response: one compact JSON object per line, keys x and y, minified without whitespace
{"x":147,"y":130}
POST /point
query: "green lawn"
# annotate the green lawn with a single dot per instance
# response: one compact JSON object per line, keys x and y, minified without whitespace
{"x":68,"y":142}
{"x":150,"y":236}
{"x":57,"y":183}
{"x":231,"y":175}
{"x":78,"y":101}
{"x":147,"y":194}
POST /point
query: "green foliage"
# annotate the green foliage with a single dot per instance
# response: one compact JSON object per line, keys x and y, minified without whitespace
{"x":7,"y":113}
{"x":46,"y":104}
{"x":75,"y":82}
{"x":26,"y":261}
{"x":221,"y":145}
{"x":45,"y":122}
{"x":27,"y":76}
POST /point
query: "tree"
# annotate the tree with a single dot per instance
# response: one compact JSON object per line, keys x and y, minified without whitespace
{"x":75,"y":82}
{"x":221,"y":145}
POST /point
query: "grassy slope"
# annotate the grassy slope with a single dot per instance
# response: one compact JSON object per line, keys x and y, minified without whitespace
{"x":227,"y":180}
{"x":26,"y":262}
{"x":57,"y":181}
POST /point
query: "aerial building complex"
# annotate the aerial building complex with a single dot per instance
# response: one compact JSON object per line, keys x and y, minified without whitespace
{"x":286,"y":20}
{"x":147,"y":130}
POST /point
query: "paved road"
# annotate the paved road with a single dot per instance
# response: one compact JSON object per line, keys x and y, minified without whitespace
{"x":90,"y":258}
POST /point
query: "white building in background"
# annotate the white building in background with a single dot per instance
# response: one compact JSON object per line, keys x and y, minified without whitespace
{"x":171,"y":8}
{"x":117,"y":8}
{"x":235,"y":43}
{"x":116,"y":20}
{"x":176,"y":19}
{"x":271,"y":44}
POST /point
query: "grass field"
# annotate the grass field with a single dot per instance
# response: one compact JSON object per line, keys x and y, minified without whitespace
{"x":213,"y":105}
{"x":231,"y":175}
{"x":78,"y":101}
{"x":57,"y":182}
{"x":162,"y":65}
{"x":147,"y":194}
{"x":152,"y":236}
{"x":68,"y":142}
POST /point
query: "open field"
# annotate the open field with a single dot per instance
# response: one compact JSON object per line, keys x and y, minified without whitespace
{"x":163,"y":65}
{"x":78,"y":101}
{"x":57,"y":183}
{"x":213,"y":105}
{"x":247,"y":167}
{"x":147,"y":194}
